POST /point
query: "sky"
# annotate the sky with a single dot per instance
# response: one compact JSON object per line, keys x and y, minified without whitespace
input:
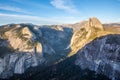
{"x":44,"y":12}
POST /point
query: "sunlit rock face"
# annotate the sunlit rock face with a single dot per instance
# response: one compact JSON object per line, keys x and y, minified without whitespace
{"x":94,"y":22}
{"x":102,"y":55}
{"x":22,"y":46}
{"x":88,"y":31}
{"x":26,"y":45}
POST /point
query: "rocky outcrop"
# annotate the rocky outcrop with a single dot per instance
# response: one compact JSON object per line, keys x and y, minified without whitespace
{"x":94,"y":22}
{"x":18,"y":62}
{"x":27,"y":45}
{"x":26,"y":48}
{"x":102,"y":55}
{"x":90,"y":30}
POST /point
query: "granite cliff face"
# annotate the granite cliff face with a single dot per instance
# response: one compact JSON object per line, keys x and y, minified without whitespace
{"x":26,"y":45}
{"x":58,"y":37}
{"x":26,"y":48}
{"x":102,"y":56}
{"x":90,"y":30}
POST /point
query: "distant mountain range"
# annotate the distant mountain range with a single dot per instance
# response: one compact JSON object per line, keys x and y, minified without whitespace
{"x":87,"y":50}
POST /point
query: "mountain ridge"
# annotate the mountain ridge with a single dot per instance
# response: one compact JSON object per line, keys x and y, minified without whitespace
{"x":29,"y":45}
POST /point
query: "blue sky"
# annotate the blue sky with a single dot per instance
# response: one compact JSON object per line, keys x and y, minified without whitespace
{"x":58,"y":11}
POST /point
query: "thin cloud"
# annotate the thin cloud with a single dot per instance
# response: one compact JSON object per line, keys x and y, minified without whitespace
{"x":66,"y":5}
{"x":12,"y":8}
{"x":15,"y":18}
